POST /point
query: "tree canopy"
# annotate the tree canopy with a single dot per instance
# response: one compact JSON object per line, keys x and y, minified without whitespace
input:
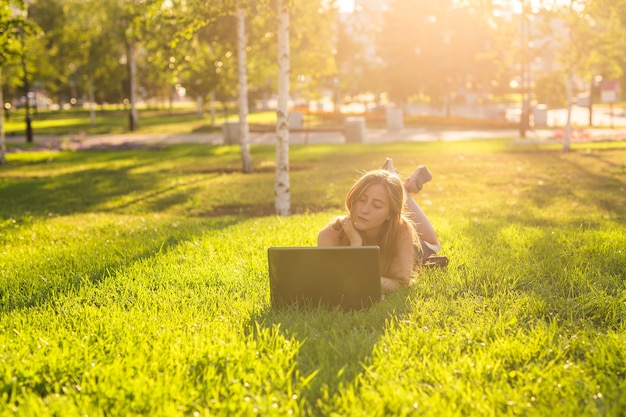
{"x":409,"y":49}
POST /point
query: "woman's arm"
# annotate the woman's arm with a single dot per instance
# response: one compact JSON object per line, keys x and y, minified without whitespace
{"x":399,"y":272}
{"x":388,"y":285}
{"x":329,"y":235}
{"x":401,"y":267}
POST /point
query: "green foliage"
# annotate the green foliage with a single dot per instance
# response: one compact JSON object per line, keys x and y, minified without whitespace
{"x":435,"y":51}
{"x":15,"y":33}
{"x":550,"y":90}
{"x":410,"y":49}
{"x":135,"y":283}
{"x":10,"y":48}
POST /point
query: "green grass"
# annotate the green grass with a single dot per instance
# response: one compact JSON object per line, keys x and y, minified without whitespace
{"x":115,"y":121}
{"x":135,"y":283}
{"x":181,"y":120}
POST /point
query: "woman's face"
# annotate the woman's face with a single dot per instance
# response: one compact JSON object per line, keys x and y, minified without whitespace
{"x":371,"y":210}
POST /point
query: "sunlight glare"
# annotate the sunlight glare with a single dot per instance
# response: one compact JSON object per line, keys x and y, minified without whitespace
{"x":346,"y":6}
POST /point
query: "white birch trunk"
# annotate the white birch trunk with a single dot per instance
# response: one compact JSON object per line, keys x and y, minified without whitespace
{"x":281,"y":182}
{"x":3,"y":139}
{"x":244,"y":136}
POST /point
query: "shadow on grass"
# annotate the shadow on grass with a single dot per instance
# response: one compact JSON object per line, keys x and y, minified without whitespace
{"x":604,"y":184}
{"x":85,"y":191}
{"x":119,"y":180}
{"x":566,"y":271}
{"x":336,"y":345}
{"x":142,"y":181}
{"x":550,"y":243}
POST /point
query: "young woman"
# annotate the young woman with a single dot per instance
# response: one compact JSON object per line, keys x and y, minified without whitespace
{"x":381,"y":212}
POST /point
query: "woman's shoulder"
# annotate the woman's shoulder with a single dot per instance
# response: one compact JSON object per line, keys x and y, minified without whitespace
{"x":329,"y":234}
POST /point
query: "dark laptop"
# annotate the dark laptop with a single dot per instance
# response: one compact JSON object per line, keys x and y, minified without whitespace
{"x":338,"y":276}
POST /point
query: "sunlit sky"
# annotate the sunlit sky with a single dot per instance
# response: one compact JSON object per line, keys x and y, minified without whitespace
{"x":348,"y":5}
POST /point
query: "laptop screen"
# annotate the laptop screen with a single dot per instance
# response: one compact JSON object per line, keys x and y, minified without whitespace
{"x":338,"y":276}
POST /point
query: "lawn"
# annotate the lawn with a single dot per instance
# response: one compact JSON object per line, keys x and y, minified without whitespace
{"x":184,"y":119}
{"x":112,"y":120}
{"x":135,"y":283}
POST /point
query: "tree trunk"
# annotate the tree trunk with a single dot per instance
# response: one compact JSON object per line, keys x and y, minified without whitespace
{"x":244,"y":133}
{"x":212,"y":108}
{"x":281,"y":182}
{"x":132,"y":69}
{"x":3,"y":143}
{"x":568,"y":88}
{"x":568,"y":124}
{"x":92,"y":104}
{"x":591,"y":102}
{"x":199,"y":107}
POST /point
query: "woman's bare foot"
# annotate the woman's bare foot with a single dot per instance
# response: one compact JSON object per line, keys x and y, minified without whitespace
{"x":388,"y":166}
{"x":416,"y":181}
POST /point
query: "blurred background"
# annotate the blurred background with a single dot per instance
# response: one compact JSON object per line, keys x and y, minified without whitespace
{"x":523,"y":61}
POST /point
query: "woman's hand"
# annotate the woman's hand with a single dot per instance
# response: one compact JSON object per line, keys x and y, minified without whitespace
{"x":388,"y":285}
{"x":353,"y":235}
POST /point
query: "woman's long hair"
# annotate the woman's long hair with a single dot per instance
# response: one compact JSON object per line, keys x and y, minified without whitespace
{"x":397,"y":220}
